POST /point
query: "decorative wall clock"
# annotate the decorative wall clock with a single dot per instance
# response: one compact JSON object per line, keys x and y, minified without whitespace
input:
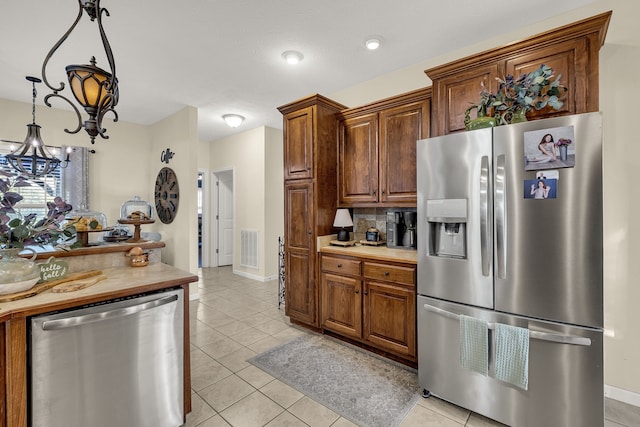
{"x":167,"y":195}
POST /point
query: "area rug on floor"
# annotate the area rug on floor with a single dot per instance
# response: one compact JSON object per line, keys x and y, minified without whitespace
{"x":361,"y":387}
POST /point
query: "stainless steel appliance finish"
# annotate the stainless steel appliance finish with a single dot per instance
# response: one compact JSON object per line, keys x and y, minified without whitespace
{"x":114,"y":364}
{"x":488,"y":252}
{"x":565,"y":369}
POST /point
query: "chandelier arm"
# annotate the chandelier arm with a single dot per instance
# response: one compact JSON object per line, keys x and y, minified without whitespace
{"x":57,"y":95}
{"x":55,"y":47}
{"x":107,"y":47}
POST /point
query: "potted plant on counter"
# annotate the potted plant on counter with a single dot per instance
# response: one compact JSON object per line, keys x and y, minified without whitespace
{"x":18,"y":232}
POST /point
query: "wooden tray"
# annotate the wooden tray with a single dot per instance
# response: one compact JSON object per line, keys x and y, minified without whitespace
{"x":339,"y":243}
{"x":368,"y":243}
{"x":41,"y":287}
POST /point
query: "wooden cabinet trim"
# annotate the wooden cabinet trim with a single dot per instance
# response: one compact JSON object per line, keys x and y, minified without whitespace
{"x":309,"y":101}
{"x":391,"y":273}
{"x":418,"y":95}
{"x":597,"y":24}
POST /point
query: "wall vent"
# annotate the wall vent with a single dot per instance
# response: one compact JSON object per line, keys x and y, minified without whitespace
{"x":249,"y":248}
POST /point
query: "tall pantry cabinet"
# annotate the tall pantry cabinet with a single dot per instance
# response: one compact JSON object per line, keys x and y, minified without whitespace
{"x":310,"y":197}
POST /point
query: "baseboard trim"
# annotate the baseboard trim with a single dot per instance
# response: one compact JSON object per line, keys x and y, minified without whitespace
{"x":622,"y":395}
{"x":254,"y":277}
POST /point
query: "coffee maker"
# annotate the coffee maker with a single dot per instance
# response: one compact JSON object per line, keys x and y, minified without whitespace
{"x":395,"y":229}
{"x":409,"y":236}
{"x":401,"y":229}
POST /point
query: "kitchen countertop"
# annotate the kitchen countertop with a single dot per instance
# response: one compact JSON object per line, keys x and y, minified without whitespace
{"x":120,"y":282}
{"x":381,"y":253}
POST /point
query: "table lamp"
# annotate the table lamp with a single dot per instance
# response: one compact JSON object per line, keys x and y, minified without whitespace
{"x":342,"y":220}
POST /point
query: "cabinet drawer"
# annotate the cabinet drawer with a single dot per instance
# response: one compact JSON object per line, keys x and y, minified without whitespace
{"x":341,"y":265}
{"x":390,"y":273}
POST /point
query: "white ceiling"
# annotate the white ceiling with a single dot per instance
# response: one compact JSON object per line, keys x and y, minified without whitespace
{"x":224,"y":56}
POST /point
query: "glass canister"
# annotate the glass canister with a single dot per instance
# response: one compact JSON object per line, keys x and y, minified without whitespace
{"x":84,"y":219}
{"x":136,"y":210}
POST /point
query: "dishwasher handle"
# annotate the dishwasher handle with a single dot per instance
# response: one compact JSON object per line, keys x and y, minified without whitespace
{"x":70,"y":322}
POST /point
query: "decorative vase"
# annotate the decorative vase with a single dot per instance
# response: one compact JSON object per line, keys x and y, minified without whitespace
{"x":482,"y":121}
{"x":518,"y":116}
{"x":16,"y":273}
{"x":563,"y":153}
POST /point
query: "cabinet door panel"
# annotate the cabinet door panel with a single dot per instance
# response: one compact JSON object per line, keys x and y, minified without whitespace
{"x":341,"y":304}
{"x":390,"y":318}
{"x":562,"y":58}
{"x":358,"y":160}
{"x":298,"y":140}
{"x":298,"y":211}
{"x":400,"y":128}
{"x":455,"y":93}
{"x":300,"y":287}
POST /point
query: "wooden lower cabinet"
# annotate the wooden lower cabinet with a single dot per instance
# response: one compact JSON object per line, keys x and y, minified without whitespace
{"x":371,"y":302}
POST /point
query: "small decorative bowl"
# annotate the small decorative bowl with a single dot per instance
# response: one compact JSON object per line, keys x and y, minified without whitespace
{"x":139,"y":260}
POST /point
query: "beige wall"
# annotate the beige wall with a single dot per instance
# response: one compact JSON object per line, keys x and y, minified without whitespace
{"x":178,"y":133}
{"x":256,"y":159}
{"x":619,"y":90}
{"x":118,"y":167}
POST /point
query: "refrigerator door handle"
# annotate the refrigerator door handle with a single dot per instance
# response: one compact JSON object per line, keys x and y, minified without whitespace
{"x":501,"y":220}
{"x":69,"y":322}
{"x":542,"y":336}
{"x":484,"y":216}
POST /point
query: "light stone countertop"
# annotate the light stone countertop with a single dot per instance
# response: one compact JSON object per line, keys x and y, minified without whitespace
{"x":381,"y":253}
{"x":120,"y":282}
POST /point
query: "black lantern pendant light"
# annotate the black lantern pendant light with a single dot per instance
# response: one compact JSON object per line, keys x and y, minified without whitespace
{"x":33,"y":159}
{"x":94,"y":88}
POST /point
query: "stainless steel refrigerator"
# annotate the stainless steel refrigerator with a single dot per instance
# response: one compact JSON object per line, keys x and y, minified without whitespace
{"x":510,"y":304}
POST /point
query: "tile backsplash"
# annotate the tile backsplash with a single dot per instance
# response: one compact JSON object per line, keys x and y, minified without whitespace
{"x":364,"y":218}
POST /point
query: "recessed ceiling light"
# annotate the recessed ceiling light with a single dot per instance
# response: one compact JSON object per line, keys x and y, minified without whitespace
{"x":292,"y":56}
{"x":373,"y":43}
{"x":233,"y":120}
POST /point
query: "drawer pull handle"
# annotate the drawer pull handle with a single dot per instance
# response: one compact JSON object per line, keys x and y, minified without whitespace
{"x":386,"y":273}
{"x":339,"y":265}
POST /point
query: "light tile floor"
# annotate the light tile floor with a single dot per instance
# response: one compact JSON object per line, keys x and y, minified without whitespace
{"x":237,"y":318}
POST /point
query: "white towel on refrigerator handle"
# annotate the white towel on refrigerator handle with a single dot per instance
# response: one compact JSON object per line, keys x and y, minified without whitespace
{"x":474,"y":344}
{"x":512,"y":355}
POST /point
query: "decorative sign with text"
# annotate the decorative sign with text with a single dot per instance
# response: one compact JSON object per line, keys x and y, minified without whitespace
{"x":53,"y":270}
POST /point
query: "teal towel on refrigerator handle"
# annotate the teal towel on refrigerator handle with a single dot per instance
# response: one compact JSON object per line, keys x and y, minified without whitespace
{"x":474,"y":344}
{"x":512,"y":355}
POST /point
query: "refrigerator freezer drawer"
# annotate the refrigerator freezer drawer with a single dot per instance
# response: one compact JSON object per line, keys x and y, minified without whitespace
{"x":565,"y":369}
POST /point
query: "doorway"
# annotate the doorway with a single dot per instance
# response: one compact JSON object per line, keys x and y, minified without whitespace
{"x":223,"y":222}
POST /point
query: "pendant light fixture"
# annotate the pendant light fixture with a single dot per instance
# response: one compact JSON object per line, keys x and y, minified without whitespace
{"x":32,"y":158}
{"x":95,"y":89}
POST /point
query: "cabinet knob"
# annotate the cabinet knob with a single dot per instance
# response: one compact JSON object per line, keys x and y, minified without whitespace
{"x":366,"y":292}
{"x":386,"y":273}
{"x":339,"y":265}
{"x":373,"y":193}
{"x":357,"y":291}
{"x":383,"y":193}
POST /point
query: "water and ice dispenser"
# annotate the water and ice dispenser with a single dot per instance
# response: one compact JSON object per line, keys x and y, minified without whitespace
{"x":447,"y":225}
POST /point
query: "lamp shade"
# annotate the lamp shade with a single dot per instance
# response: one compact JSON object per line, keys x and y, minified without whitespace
{"x":343,"y":218}
{"x":88,"y":84}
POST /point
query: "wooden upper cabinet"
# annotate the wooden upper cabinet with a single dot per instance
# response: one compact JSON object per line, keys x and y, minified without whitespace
{"x":454,"y":93}
{"x":377,"y":150}
{"x":572,"y":51}
{"x":400,"y":128}
{"x":298,"y":149}
{"x":358,"y":159}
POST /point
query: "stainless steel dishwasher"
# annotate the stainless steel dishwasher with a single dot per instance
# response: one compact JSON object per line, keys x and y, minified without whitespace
{"x":114,"y":364}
